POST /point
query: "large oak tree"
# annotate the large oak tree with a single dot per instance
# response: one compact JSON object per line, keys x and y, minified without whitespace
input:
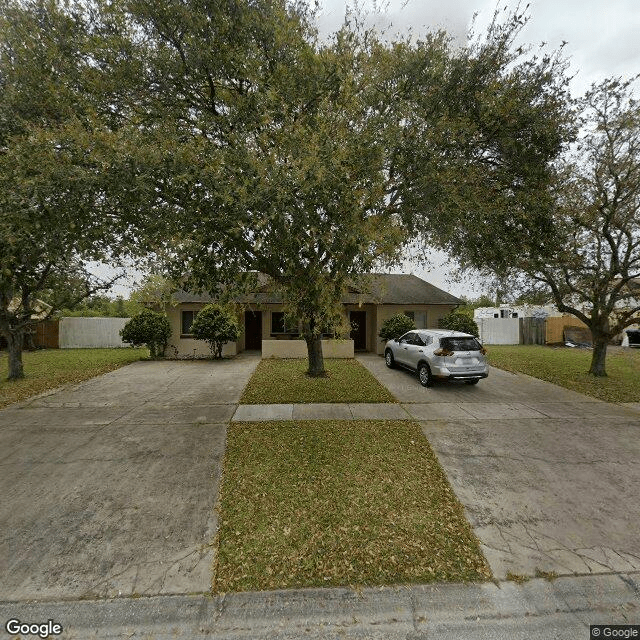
{"x":315,"y":162}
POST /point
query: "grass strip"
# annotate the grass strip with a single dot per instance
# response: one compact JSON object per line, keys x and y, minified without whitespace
{"x":285,"y":381}
{"x":50,"y":368}
{"x":329,"y":503}
{"x":568,"y":368}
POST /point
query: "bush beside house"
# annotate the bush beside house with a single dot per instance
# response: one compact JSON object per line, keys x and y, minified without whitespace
{"x":216,"y":325}
{"x":148,"y":328}
{"x":395,"y":326}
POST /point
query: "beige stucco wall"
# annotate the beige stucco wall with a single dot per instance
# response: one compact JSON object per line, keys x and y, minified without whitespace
{"x":384,"y":312}
{"x":189,"y":347}
{"x":376,"y":315}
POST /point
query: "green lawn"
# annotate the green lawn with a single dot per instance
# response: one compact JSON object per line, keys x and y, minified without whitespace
{"x":327,"y":503}
{"x":285,"y":381}
{"x":51,"y":368}
{"x":568,"y":368}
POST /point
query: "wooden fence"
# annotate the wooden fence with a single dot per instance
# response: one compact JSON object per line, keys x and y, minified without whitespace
{"x":555,"y":327}
{"x":532,"y":330}
{"x":47,"y":334}
{"x":549,"y":330}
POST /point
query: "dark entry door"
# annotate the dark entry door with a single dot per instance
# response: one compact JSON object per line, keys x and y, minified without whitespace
{"x":253,"y":330}
{"x":358,"y":321}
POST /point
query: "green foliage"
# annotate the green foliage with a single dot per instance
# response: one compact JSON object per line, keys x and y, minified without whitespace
{"x":102,"y":306}
{"x":395,"y":326}
{"x":60,"y":181}
{"x":216,"y":325}
{"x":155,"y":291}
{"x":308,"y":160}
{"x":582,"y":248}
{"x":150,"y":328}
{"x":460,"y":321}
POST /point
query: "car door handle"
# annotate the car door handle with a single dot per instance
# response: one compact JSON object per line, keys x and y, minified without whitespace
{"x":420,"y":351}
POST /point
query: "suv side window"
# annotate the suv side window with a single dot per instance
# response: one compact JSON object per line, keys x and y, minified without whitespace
{"x":407,"y":338}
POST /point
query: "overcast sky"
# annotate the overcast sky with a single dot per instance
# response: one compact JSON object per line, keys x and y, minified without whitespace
{"x":601,"y":41}
{"x":601,"y":35}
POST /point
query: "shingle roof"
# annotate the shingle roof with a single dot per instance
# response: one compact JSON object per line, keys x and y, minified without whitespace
{"x":379,"y":288}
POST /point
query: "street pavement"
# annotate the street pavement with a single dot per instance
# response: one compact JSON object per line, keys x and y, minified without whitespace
{"x":108,"y":509}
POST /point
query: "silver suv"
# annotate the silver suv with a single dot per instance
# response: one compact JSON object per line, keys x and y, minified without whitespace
{"x":433,"y":353}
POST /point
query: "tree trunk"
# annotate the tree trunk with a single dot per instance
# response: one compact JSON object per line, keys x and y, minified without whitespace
{"x":599,"y":355}
{"x":316,"y":360}
{"x":14,"y":347}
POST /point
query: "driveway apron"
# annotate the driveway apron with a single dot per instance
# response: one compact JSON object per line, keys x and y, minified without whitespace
{"x":108,"y":488}
{"x":549,"y":478}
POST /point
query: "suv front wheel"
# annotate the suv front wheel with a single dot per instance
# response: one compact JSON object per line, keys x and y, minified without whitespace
{"x":424,"y":375}
{"x":388,"y":359}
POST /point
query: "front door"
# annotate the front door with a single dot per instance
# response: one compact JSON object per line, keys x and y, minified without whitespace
{"x":358,"y":320}
{"x":253,"y":330}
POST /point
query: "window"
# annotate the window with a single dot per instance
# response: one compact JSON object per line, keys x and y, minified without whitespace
{"x":278,"y":324}
{"x":460,"y":344}
{"x":187,"y":321}
{"x":419,"y":317}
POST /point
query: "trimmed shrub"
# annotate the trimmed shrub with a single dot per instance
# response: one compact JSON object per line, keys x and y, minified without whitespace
{"x":216,"y":325}
{"x":148,"y":328}
{"x":459,"y":321}
{"x":395,"y":326}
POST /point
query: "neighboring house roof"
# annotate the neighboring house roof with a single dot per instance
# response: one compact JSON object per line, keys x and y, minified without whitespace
{"x":378,"y":288}
{"x":40,"y":309}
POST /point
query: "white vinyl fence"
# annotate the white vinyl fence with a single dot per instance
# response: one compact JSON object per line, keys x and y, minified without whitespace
{"x":98,"y":333}
{"x":499,"y":330}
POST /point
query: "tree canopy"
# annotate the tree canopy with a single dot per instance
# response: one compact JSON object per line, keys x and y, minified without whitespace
{"x":588,"y":252}
{"x":64,"y":183}
{"x":315,"y":162}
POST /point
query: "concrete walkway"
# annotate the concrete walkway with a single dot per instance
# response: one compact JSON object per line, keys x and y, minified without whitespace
{"x":108,"y":488}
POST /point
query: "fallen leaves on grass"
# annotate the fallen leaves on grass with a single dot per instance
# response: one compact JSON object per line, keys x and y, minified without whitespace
{"x":569,"y":368}
{"x":285,"y":381}
{"x":50,"y":368}
{"x":325,"y":503}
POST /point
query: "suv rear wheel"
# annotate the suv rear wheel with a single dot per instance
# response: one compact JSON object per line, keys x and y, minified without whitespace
{"x":424,"y":375}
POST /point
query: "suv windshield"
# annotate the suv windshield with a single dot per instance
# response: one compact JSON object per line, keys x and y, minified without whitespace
{"x":460,"y":344}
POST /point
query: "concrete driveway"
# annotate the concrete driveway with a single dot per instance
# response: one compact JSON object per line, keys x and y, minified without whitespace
{"x":109,"y":487}
{"x":549,"y":478}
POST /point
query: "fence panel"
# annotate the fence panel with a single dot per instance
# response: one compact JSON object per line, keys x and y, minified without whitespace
{"x":555,"y":326}
{"x":98,"y":333}
{"x":532,"y":330}
{"x":499,"y":330}
{"x":47,"y":334}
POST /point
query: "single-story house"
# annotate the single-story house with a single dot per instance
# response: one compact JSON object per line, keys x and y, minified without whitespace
{"x":261,"y":315}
